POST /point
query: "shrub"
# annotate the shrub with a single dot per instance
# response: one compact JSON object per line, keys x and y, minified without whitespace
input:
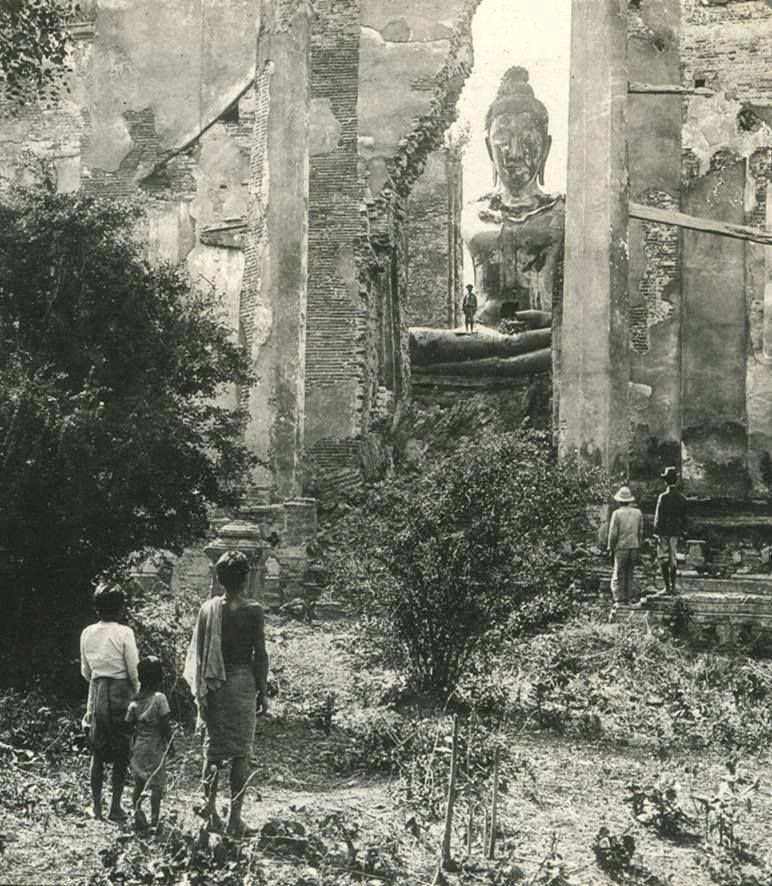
{"x":641,"y":688}
{"x":114,"y":440}
{"x":485,"y":543}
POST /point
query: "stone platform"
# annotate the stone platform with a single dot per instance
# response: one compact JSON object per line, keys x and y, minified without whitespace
{"x":711,"y":612}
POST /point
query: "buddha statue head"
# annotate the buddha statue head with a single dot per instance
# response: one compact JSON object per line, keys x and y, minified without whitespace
{"x":517,"y":137}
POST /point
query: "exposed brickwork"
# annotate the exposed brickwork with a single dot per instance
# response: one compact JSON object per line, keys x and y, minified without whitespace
{"x":335,"y":320}
{"x":730,"y":47}
{"x":430,"y":229}
{"x":661,"y":251}
{"x":250,"y":287}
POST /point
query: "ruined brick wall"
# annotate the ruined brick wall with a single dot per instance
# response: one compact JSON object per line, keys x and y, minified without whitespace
{"x":432,"y":228}
{"x":654,"y":157}
{"x":413,"y":65}
{"x":385,"y":81}
{"x":728,"y":44}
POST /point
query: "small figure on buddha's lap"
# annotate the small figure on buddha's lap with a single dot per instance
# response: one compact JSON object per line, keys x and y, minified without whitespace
{"x":469,"y":307}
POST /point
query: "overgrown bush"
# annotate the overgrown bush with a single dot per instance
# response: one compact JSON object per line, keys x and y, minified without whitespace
{"x":484,"y":544}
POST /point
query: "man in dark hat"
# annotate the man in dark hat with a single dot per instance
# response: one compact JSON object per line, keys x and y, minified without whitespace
{"x":469,"y":307}
{"x":669,"y":526}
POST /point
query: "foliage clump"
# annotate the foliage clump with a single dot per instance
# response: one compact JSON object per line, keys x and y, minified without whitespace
{"x":112,"y":435}
{"x":612,"y":680}
{"x":485,"y":543}
{"x":34,"y":43}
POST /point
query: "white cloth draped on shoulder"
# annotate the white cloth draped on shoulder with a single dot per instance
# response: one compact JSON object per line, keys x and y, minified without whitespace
{"x":204,"y":666}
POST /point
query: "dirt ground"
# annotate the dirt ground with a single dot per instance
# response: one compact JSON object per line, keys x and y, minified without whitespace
{"x":555,"y":793}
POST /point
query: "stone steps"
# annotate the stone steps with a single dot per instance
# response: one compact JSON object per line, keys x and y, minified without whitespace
{"x":736,"y":584}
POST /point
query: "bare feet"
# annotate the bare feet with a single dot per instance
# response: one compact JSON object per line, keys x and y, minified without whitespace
{"x":96,"y":813}
{"x":117,"y":815}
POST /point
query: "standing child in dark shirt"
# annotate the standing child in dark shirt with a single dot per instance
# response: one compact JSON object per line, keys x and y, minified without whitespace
{"x":669,"y":526}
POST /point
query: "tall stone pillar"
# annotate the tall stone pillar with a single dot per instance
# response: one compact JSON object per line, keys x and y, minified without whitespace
{"x":594,"y":348}
{"x":274,"y":296}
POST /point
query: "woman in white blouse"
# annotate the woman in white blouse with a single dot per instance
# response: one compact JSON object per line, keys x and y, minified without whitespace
{"x":108,"y":660}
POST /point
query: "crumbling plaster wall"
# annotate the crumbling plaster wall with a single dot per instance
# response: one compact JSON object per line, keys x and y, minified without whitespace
{"x":729,"y":46}
{"x":654,"y":159}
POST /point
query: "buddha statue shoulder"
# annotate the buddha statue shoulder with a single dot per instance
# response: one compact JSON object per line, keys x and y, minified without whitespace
{"x":515,"y":233}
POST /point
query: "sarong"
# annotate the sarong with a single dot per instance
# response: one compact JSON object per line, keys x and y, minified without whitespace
{"x":109,"y":733}
{"x":230,"y":718}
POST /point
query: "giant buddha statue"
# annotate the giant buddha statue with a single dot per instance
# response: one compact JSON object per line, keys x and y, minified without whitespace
{"x":515,"y":237}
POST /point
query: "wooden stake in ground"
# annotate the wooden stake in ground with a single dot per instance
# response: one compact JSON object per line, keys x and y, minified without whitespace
{"x":445,"y":862}
{"x":494,"y":802}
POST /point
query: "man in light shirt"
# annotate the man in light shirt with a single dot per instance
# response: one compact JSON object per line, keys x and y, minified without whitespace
{"x":625,"y":535}
{"x":108,"y":660}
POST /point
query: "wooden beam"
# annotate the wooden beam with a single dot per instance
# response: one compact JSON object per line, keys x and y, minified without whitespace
{"x":696,"y":223}
{"x":668,"y":89}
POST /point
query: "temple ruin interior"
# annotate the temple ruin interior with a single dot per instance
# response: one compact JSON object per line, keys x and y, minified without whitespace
{"x":339,"y":171}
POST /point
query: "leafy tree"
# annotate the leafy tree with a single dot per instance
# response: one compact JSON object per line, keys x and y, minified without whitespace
{"x":485,"y":543}
{"x":33,"y":46}
{"x":111,"y":436}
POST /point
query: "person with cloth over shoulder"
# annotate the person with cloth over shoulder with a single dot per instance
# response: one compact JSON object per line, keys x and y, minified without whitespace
{"x":227,"y":670}
{"x":625,"y":535}
{"x":669,"y":526}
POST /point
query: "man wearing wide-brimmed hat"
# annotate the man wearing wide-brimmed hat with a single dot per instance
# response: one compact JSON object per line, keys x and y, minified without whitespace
{"x":669,"y":525}
{"x":625,"y":534}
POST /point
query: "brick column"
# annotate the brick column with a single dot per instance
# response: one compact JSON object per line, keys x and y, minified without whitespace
{"x":455,"y":179}
{"x":273,"y":308}
{"x":594,"y":348}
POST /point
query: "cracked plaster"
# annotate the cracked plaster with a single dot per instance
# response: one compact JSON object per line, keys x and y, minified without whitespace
{"x":711,"y":124}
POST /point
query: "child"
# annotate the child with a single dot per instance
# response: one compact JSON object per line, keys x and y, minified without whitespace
{"x":625,"y":535}
{"x":108,"y":660}
{"x":150,"y":713}
{"x":669,"y":525}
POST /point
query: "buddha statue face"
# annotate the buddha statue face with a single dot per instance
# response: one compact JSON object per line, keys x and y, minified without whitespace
{"x":518,"y":146}
{"x":517,"y":135}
